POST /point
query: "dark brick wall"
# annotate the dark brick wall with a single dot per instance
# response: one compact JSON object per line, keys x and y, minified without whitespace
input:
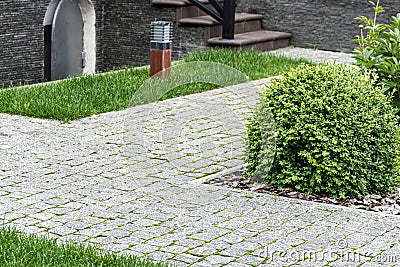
{"x":126,"y":35}
{"x":323,"y":24}
{"x":21,"y":35}
{"x":99,"y":9}
{"x":188,"y":40}
{"x":123,"y":30}
{"x":21,"y":40}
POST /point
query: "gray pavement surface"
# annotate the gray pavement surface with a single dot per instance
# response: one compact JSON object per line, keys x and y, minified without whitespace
{"x":318,"y":56}
{"x":125,"y":181}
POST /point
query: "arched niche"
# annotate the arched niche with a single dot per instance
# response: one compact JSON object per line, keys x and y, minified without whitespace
{"x":69,"y":39}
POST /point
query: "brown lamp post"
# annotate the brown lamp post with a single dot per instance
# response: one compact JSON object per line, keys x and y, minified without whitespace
{"x":160,"y":48}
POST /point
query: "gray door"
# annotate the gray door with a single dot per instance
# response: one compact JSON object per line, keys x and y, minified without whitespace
{"x":67,"y":45}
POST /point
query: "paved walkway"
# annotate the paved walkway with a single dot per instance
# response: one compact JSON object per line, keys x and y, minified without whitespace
{"x":319,"y":56}
{"x":125,"y":181}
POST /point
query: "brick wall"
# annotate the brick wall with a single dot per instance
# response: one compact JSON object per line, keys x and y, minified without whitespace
{"x":21,"y":35}
{"x":21,"y":40}
{"x":323,"y":24}
{"x":123,"y":30}
{"x":126,"y":35}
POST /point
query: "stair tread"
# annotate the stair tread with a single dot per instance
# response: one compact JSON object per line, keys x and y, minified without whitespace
{"x":249,"y":38}
{"x":209,"y":21}
{"x":178,"y":3}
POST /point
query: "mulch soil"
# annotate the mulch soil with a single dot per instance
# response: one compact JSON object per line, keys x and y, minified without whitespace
{"x":385,"y":202}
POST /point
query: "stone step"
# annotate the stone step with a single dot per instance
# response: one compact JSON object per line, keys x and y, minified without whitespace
{"x":177,"y":3}
{"x":240,"y":27}
{"x":243,"y":23}
{"x":190,"y":11}
{"x":207,"y":21}
{"x":248,"y":27}
{"x":259,"y":40}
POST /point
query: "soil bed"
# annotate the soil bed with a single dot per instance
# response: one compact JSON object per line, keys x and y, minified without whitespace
{"x":386,"y":202}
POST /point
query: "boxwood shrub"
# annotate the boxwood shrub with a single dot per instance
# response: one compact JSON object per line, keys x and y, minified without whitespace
{"x":336,"y":133}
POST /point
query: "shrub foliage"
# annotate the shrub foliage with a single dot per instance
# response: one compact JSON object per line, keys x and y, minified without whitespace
{"x":336,"y":133}
{"x":379,"y":51}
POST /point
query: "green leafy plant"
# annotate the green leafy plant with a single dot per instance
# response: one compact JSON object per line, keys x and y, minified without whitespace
{"x":253,"y":146}
{"x":379,"y":51}
{"x":336,"y":133}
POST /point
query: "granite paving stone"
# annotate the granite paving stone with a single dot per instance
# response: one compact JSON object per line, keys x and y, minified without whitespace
{"x":160,"y":256}
{"x":127,"y":181}
{"x":203,"y":251}
{"x":249,"y":259}
{"x":143,"y":248}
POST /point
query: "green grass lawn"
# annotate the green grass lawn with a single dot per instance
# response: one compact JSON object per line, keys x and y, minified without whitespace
{"x":21,"y":250}
{"x":80,"y":97}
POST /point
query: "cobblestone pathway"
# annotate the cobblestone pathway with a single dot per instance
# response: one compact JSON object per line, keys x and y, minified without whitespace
{"x":126,"y":181}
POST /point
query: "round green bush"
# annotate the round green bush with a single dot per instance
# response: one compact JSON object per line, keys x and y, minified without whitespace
{"x":335,"y":133}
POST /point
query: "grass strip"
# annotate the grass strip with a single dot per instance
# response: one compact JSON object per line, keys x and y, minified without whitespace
{"x":20,"y":250}
{"x":80,"y":97}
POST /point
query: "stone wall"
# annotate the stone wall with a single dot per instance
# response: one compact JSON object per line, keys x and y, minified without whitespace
{"x":123,"y":30}
{"x":126,"y":35}
{"x":322,"y":24}
{"x":21,"y":35}
{"x":21,"y":40}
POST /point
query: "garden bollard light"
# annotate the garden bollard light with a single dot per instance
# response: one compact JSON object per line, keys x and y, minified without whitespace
{"x":160,"y":48}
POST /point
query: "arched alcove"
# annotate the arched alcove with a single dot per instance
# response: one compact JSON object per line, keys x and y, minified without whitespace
{"x":69,"y":39}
